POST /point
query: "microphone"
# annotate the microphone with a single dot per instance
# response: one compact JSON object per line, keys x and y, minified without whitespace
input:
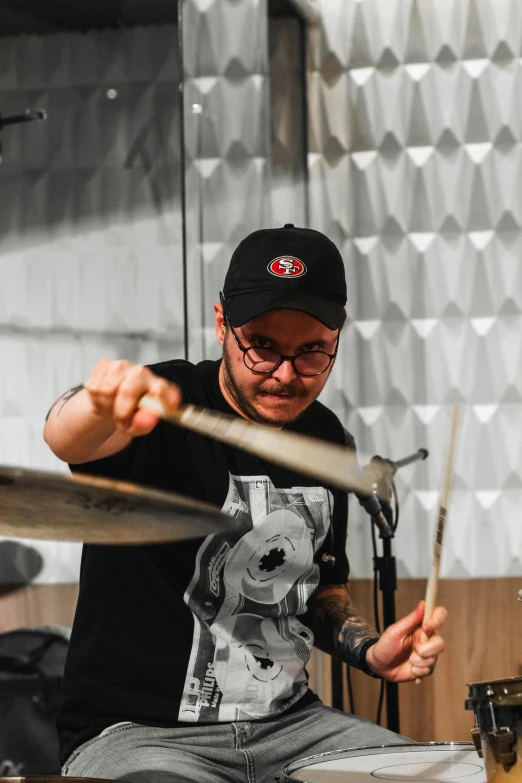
{"x":371,"y":503}
{"x":27,"y":116}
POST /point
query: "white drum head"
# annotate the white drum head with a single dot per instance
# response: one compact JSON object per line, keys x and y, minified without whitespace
{"x":457,"y":762}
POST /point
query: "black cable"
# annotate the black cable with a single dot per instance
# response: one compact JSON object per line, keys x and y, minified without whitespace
{"x":351,"y":699}
{"x":376,"y":618}
{"x":396,"y":504}
{"x":379,"y":706}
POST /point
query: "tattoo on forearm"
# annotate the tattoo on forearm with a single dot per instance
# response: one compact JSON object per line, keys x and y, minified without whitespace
{"x":337,"y":627}
{"x":64,"y":399}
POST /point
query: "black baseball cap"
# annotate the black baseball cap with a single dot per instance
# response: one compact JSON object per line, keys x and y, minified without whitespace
{"x":286,"y":268}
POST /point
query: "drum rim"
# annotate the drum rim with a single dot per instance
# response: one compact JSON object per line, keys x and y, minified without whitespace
{"x":494,"y":682}
{"x":354,"y":752}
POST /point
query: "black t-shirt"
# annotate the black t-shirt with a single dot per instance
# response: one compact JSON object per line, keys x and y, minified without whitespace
{"x":204,"y":630}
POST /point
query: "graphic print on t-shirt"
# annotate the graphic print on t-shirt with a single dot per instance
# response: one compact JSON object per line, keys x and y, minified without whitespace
{"x":249,"y":649}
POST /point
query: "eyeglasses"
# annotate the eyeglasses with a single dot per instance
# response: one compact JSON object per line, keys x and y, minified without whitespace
{"x":266,"y":360}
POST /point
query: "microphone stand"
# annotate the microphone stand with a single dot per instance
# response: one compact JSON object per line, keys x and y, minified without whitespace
{"x":386,"y":567}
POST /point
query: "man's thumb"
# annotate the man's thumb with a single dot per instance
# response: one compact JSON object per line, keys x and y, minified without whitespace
{"x":412,"y":621}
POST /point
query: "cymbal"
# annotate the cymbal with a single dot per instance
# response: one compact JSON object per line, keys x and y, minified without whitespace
{"x":55,"y":507}
{"x":53,"y":779}
{"x":330,"y":462}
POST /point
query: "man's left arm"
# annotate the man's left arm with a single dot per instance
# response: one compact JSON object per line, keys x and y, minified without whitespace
{"x":397,"y":655}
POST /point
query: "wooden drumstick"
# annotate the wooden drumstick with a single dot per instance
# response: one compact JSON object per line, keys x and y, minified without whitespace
{"x":330,"y":462}
{"x":433,"y":579}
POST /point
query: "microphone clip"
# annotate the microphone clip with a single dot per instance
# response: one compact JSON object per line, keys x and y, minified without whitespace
{"x":372,"y":506}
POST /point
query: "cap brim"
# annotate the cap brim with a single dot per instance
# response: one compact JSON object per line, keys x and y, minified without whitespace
{"x":244,"y":307}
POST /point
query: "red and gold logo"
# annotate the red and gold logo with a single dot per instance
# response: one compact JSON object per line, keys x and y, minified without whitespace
{"x":286,"y":266}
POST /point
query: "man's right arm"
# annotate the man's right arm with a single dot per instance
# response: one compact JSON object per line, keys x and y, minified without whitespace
{"x":101,"y":417}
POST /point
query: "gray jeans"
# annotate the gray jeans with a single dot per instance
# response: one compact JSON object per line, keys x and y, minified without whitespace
{"x":243,"y":752}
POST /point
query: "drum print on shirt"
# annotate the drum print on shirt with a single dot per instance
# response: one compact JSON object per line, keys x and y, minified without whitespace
{"x":249,"y":648}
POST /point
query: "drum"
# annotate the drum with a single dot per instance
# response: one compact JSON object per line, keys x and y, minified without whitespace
{"x":432,"y":761}
{"x":497,"y":705}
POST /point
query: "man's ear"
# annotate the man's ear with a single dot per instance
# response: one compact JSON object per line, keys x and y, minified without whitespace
{"x":220,"y":323}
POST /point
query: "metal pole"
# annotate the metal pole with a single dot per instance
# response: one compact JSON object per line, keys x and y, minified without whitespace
{"x":307,"y":9}
{"x":386,"y":565}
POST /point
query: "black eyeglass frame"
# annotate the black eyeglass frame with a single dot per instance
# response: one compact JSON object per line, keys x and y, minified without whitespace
{"x":282,"y":357}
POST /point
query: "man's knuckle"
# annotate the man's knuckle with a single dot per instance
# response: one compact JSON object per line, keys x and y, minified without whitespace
{"x":133,"y":379}
{"x":136,"y":370}
{"x":107,"y":387}
{"x":122,"y":365}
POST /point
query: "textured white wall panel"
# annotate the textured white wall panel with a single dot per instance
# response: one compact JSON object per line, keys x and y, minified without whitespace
{"x":38,"y":369}
{"x":415,"y":163}
{"x":227,"y":127}
{"x":244,"y":141}
{"x":91,"y":254}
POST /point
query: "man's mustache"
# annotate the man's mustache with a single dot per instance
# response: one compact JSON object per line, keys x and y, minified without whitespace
{"x":286,"y":390}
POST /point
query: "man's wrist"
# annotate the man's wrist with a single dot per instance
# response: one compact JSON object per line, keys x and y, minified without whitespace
{"x":363,"y":654}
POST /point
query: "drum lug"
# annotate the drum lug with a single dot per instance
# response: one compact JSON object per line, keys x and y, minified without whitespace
{"x":503,"y":743}
{"x":475,"y":735}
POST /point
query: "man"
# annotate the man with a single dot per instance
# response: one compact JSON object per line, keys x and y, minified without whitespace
{"x":187,"y":660}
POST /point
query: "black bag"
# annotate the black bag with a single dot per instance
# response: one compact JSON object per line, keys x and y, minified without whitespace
{"x":31,"y":671}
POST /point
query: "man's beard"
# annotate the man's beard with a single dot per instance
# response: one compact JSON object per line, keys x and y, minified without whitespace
{"x":244,"y":404}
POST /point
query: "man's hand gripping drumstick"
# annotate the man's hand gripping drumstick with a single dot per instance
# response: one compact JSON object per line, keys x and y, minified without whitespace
{"x":433,"y":579}
{"x":101,"y":417}
{"x":121,"y":401}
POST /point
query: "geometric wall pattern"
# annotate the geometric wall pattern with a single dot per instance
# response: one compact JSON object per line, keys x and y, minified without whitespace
{"x":227,"y":146}
{"x":91,"y":264}
{"x":415,"y":166}
{"x":245,"y":164}
{"x":91,"y":254}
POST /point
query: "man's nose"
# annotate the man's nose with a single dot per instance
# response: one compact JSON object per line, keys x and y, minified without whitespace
{"x":285,"y":373}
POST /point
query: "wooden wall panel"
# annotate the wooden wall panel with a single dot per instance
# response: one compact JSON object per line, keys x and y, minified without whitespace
{"x":483,"y":636}
{"x":37,"y":605}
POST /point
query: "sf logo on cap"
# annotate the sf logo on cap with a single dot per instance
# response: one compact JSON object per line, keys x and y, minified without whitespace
{"x":286,"y":266}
